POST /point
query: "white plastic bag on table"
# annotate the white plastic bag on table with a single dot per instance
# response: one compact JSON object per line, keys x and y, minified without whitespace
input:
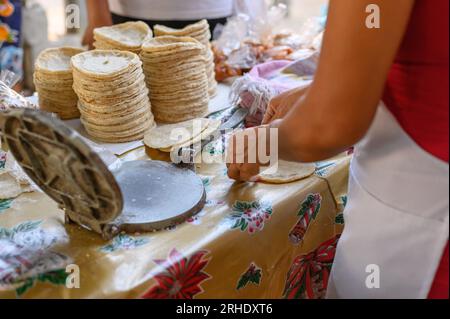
{"x":13,"y":181}
{"x":8,"y":97}
{"x":9,"y":78}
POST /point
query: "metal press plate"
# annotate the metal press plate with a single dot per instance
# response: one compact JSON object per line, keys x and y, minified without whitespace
{"x":157,"y":195}
{"x":56,"y":158}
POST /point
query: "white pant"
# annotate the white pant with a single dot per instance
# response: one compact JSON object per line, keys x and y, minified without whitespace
{"x":397,"y":218}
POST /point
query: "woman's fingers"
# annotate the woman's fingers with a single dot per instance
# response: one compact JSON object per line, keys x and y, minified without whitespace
{"x":270,"y":112}
{"x":273,"y":109}
{"x":281,"y":104}
{"x":88,"y":38}
{"x":242,"y":155}
{"x":233,"y":171}
{"x":248,"y":172}
{"x":267,"y":118}
{"x":243,"y":172}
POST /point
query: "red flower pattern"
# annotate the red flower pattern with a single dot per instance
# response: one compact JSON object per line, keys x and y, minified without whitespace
{"x":182,"y":277}
{"x":308,"y":276}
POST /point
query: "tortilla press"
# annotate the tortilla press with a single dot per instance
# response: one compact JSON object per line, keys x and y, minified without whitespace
{"x":139,"y":196}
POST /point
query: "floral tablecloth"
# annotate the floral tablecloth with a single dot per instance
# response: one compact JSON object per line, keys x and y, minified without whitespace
{"x":250,"y":241}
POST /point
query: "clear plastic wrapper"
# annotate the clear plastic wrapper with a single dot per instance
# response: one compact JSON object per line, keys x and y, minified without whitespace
{"x":254,"y":22}
{"x":309,"y":31}
{"x":13,"y":181}
{"x":243,"y":58}
{"x":253,"y":36}
{"x":8,"y":97}
{"x":9,"y":78}
{"x":232,"y":34}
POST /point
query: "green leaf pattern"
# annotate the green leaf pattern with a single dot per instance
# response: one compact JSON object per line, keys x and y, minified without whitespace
{"x":57,"y":278}
{"x":250,"y":216}
{"x":313,"y":201}
{"x":253,"y":275}
{"x":124,"y":242}
{"x":5,"y":204}
{"x":2,"y":159}
{"x":339,"y":220}
{"x":323,"y":168}
{"x":10,"y":233}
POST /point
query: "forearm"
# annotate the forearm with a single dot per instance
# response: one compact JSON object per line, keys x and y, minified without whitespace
{"x":98,"y":12}
{"x":339,"y":108}
{"x":305,"y":136}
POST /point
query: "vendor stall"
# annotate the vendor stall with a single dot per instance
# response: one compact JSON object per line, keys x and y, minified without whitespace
{"x":69,"y":227}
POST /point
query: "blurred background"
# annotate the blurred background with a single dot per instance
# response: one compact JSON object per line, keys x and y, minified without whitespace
{"x":299,"y":11}
{"x":29,"y":26}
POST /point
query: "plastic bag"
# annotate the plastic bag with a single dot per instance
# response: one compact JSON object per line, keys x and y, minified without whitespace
{"x":253,"y":36}
{"x":233,"y":33}
{"x":254,"y":22}
{"x":9,"y":78}
{"x":9,"y":98}
{"x":13,"y":180}
{"x":309,"y":31}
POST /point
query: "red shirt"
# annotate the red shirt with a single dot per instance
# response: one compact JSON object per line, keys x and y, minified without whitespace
{"x":417,"y":86}
{"x":417,"y":93}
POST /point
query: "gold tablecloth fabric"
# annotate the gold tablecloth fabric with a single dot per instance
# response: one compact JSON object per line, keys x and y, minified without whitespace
{"x":250,"y":241}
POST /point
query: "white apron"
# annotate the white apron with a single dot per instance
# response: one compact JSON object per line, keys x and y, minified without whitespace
{"x":397,"y":218}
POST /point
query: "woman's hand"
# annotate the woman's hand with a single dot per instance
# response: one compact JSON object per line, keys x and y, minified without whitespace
{"x":88,"y":37}
{"x":280,"y":105}
{"x":248,"y":151}
{"x":98,"y":16}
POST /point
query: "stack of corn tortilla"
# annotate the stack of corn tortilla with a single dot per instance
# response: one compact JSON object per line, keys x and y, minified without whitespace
{"x":175,"y":73}
{"x":127,"y":36}
{"x":113,"y":97}
{"x":200,"y":32}
{"x":53,"y":80}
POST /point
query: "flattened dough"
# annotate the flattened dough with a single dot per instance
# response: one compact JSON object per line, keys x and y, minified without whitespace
{"x":104,"y":63}
{"x":288,"y":172}
{"x":130,"y":34}
{"x":56,"y":60}
{"x":213,"y":126}
{"x":199,"y":26}
{"x":161,"y":137}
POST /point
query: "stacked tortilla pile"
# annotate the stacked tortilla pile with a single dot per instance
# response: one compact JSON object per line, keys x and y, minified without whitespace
{"x":200,"y":32}
{"x":53,"y":80}
{"x":113,"y":97}
{"x":175,"y":73}
{"x":127,"y":36}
